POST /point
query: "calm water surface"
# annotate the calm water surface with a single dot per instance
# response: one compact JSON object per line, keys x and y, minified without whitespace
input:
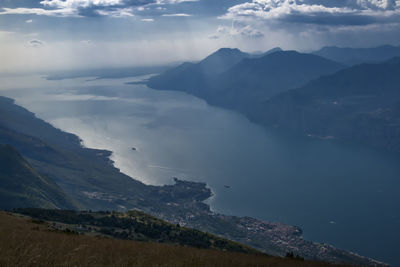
{"x":339,"y":194}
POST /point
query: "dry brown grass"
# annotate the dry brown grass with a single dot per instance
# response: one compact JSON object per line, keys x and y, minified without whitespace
{"x":23,"y":243}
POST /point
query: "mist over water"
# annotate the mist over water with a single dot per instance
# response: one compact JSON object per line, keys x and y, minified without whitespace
{"x":339,"y":194}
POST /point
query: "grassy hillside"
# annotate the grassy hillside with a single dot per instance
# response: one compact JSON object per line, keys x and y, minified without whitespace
{"x":132,"y":225}
{"x":24,"y":242}
{"x":22,"y":186}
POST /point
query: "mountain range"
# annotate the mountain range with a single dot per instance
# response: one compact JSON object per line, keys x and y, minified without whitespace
{"x":306,"y":93}
{"x":353,"y":56}
{"x":225,"y":77}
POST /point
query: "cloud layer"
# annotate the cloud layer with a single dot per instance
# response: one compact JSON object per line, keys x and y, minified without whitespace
{"x":325,"y":12}
{"x":79,"y":8}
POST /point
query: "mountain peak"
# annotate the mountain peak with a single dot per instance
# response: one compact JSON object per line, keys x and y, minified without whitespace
{"x":273,"y":50}
{"x":227,"y":50}
{"x":221,"y":60}
{"x":226,"y":53}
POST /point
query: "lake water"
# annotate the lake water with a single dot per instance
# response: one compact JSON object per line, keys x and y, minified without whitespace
{"x":339,"y":194}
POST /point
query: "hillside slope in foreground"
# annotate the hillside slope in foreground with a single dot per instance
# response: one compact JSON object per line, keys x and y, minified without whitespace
{"x":24,"y":242}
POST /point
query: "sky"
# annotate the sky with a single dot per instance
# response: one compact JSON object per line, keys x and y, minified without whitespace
{"x":78,"y":34}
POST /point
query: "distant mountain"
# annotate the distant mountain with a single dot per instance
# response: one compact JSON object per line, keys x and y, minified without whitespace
{"x":261,"y":54}
{"x":22,"y":186}
{"x":251,"y":80}
{"x":359,"y":104}
{"x":221,"y":61}
{"x":273,"y":50}
{"x":194,"y":77}
{"x":257,"y":79}
{"x":352,"y":56}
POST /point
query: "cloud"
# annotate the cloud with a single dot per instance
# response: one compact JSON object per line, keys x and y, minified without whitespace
{"x":248,"y":31}
{"x":237,"y":30}
{"x":39,"y":12}
{"x":35,"y":43}
{"x":174,"y":1}
{"x":177,"y":15}
{"x":83,"y":8}
{"x":319,"y":12}
{"x":116,"y":13}
{"x":86,"y":42}
{"x":147,"y":20}
{"x":29,"y":21}
{"x":79,"y":3}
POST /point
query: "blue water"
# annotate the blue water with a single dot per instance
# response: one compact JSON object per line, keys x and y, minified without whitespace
{"x":340,"y":194}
